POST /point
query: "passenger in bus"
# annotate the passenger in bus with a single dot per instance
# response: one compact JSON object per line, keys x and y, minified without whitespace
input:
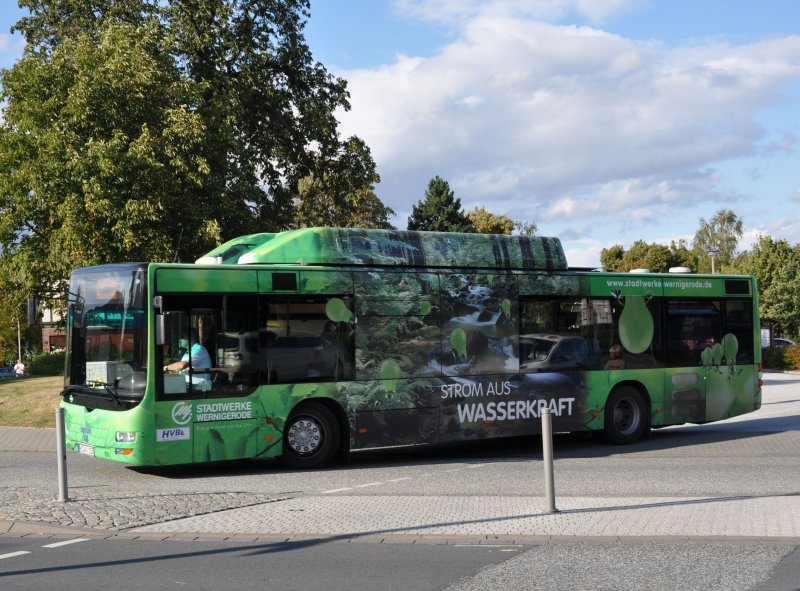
{"x":616,"y":361}
{"x":199,"y":358}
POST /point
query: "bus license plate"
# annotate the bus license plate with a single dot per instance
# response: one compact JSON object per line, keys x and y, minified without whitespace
{"x":87,"y":450}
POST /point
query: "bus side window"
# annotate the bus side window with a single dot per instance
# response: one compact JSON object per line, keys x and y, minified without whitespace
{"x":306,"y":339}
{"x":739,"y":322}
{"x":692,"y":326}
{"x":556,"y":335}
{"x":237,"y":354}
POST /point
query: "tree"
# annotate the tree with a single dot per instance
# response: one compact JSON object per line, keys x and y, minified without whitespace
{"x":654,"y":257}
{"x":439,"y":211}
{"x":524,"y":228}
{"x":781,"y":300}
{"x":721,"y":234}
{"x":98,"y":158}
{"x":611,"y":259}
{"x":683,"y":256}
{"x":776,"y":266}
{"x":129,"y":123}
{"x":485,"y":222}
{"x":341,"y":192}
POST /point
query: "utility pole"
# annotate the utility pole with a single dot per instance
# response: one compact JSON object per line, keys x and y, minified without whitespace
{"x":713,"y":252}
{"x":19,"y":341}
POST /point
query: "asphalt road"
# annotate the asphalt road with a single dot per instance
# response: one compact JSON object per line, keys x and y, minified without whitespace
{"x":73,"y":563}
{"x":754,"y":455}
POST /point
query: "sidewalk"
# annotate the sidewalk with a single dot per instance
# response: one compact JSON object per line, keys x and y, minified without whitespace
{"x":392,"y":518}
{"x":27,"y":439}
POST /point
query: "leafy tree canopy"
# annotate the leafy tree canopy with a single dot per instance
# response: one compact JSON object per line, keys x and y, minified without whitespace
{"x":486,"y":222}
{"x":341,"y":192}
{"x":720,"y":235}
{"x":440,"y":210}
{"x":776,"y":266}
{"x":130,"y":122}
{"x":654,"y":257}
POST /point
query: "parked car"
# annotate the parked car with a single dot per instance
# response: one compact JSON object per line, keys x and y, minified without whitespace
{"x":550,"y":352}
{"x":784,"y":342}
{"x":7,"y":372}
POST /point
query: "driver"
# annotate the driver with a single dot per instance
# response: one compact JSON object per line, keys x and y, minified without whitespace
{"x":196,"y":357}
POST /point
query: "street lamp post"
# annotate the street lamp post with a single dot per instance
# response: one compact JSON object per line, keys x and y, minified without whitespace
{"x":713,"y":252}
{"x":19,"y":341}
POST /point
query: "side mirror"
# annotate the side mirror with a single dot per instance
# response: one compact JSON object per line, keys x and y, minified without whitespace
{"x":162,"y":329}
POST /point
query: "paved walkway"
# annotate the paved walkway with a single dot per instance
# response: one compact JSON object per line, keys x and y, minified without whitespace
{"x":763,"y":518}
{"x":391,"y":518}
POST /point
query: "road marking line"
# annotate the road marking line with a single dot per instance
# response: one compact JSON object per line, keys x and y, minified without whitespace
{"x":477,"y":465}
{"x":335,"y":490}
{"x":369,"y":484}
{"x":511,"y":547}
{"x":399,"y":479}
{"x":13,"y":554}
{"x":66,"y":543}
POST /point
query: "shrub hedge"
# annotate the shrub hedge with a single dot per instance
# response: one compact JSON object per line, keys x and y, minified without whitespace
{"x":47,"y":364}
{"x":782,"y":357}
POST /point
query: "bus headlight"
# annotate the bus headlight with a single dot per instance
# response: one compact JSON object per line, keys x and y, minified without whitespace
{"x":126,"y":437}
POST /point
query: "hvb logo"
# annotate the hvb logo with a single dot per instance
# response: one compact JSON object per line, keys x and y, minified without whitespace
{"x":177,"y":434}
{"x":182,"y":413}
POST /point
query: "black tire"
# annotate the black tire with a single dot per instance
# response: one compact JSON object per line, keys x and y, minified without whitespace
{"x":311,"y":437}
{"x":626,"y":417}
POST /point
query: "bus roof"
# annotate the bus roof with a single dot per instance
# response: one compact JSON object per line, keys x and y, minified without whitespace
{"x":395,"y":248}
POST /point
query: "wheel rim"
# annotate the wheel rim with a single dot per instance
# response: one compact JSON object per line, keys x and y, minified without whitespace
{"x":627,"y":416}
{"x":305,"y":435}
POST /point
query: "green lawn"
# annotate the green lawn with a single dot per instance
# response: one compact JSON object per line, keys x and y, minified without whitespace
{"x":29,"y":402}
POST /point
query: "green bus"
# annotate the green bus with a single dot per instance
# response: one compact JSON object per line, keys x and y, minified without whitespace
{"x":308,"y":344}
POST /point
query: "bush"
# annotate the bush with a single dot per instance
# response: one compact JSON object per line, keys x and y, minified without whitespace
{"x":791,"y":357}
{"x":48,"y":364}
{"x":781,"y":357}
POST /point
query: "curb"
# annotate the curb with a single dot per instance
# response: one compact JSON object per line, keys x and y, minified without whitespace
{"x":21,"y":529}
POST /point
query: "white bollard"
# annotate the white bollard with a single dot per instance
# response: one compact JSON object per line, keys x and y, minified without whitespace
{"x":61,"y":450}
{"x":547,"y":457}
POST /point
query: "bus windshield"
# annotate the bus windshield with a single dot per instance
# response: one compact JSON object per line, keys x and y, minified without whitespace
{"x":106,"y":334}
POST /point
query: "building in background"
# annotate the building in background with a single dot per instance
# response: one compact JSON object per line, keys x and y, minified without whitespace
{"x":53,"y":335}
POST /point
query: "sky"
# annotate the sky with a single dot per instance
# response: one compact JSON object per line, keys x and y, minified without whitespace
{"x":601,"y":121}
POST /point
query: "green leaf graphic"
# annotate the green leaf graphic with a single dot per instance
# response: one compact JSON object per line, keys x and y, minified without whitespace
{"x":506,"y":305}
{"x":635,"y":325}
{"x":730,"y":347}
{"x":459,"y":342}
{"x":717,"y":352}
{"x":390,"y":372}
{"x":337,"y":310}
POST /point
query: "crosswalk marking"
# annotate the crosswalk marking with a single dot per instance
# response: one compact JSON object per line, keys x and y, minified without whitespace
{"x":13,"y":554}
{"x":66,"y":542}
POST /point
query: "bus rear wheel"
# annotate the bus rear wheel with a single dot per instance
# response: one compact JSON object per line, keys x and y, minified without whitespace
{"x":311,"y":437}
{"x":625,"y":417}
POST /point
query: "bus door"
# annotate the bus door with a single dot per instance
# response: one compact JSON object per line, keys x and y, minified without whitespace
{"x":204,"y":411}
{"x":693,"y":334}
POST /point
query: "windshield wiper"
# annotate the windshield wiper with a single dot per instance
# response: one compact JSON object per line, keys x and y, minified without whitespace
{"x":74,"y":389}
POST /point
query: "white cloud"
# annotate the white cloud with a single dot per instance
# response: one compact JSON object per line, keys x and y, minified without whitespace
{"x":454,"y":13}
{"x":785,"y":227}
{"x":542,"y":121}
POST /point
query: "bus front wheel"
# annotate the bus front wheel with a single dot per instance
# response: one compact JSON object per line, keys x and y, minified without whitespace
{"x":311,"y":437}
{"x":626,"y":418}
